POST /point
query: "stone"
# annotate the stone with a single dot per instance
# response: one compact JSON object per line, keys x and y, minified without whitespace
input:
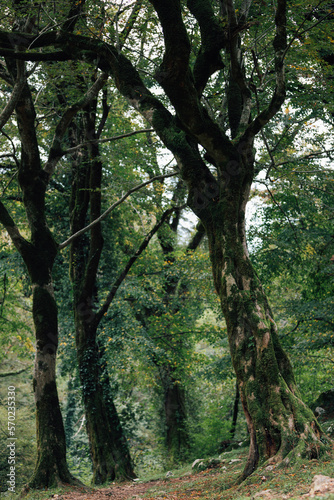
{"x":197,"y":461}
{"x":263,"y":494}
{"x":323,"y":407}
{"x":321,"y":484}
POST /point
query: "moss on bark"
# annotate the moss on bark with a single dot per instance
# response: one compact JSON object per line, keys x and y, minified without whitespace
{"x":108,"y":445}
{"x":51,"y":467}
{"x":281,"y":426}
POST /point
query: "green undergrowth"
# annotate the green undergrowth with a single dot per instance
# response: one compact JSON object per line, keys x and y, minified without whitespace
{"x":219,"y":483}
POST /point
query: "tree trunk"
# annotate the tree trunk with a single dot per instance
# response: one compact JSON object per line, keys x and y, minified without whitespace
{"x":109,"y":449}
{"x":51,"y":468}
{"x":175,"y":416}
{"x":108,"y":445}
{"x":280,"y":424}
{"x":235,"y":412}
{"x":39,"y":255}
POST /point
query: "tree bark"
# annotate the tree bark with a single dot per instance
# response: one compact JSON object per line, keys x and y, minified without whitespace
{"x":175,"y":416}
{"x":235,"y":412}
{"x":108,"y":445}
{"x":51,"y":468}
{"x":279,"y":423}
{"x":109,"y":449}
{"x":39,"y":254}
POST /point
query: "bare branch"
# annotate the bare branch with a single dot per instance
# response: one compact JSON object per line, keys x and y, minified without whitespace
{"x":9,"y":374}
{"x":132,"y":260}
{"x":109,"y":139}
{"x":111,"y":208}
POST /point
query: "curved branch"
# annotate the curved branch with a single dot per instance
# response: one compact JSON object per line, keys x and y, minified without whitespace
{"x":13,"y":100}
{"x":99,"y":315}
{"x":111,"y":208}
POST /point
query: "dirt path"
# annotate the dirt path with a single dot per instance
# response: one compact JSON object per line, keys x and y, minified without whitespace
{"x":161,"y":489}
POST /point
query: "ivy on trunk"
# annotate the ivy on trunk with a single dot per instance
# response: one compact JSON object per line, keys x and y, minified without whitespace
{"x":109,"y":449}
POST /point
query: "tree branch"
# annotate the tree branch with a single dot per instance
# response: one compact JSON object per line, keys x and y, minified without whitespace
{"x":6,"y":220}
{"x":112,"y":207}
{"x":280,"y":44}
{"x":109,"y":139}
{"x":9,"y":374}
{"x":55,"y":151}
{"x":99,"y":315}
{"x":197,"y":238}
{"x":75,"y":12}
{"x":13,"y":100}
{"x":130,"y":22}
{"x":213,"y":39}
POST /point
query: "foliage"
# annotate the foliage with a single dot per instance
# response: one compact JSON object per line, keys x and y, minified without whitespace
{"x":293,"y":249}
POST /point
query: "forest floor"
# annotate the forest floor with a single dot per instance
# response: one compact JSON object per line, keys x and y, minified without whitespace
{"x":301,"y":481}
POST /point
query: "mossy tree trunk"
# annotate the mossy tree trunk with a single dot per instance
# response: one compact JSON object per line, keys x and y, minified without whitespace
{"x":278,"y":421}
{"x":51,"y":468}
{"x":39,"y":254}
{"x":235,"y":412}
{"x":175,"y":416}
{"x":109,"y":449}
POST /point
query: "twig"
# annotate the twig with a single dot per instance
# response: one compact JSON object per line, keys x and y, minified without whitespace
{"x":109,"y":139}
{"x":112,"y":207}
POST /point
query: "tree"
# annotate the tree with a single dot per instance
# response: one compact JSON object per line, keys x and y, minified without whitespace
{"x":276,"y":418}
{"x":109,"y":449}
{"x":39,"y":254}
{"x":215,"y":153}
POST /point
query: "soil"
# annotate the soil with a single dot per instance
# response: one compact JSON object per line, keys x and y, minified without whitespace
{"x":132,"y":490}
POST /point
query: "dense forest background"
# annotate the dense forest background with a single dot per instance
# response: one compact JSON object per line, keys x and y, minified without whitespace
{"x":137,"y":317}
